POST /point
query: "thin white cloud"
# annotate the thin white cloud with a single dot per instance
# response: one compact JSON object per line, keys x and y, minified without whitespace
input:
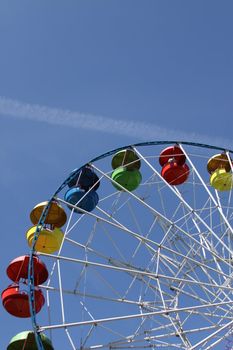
{"x":139,"y":131}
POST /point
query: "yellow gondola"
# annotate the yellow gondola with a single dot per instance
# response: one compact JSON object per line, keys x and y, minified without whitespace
{"x":56,"y":215}
{"x":221,"y":180}
{"x":218,"y":161}
{"x":220,"y":169}
{"x":48,"y":241}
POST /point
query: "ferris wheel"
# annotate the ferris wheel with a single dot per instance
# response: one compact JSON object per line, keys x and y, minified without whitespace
{"x":132,"y":251}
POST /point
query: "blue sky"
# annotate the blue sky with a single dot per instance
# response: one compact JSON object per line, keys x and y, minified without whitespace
{"x":160,"y":65}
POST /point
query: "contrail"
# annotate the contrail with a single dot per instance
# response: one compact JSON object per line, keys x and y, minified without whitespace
{"x":132,"y":129}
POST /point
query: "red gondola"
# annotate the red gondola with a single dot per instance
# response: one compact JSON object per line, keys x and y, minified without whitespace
{"x":16,"y":301}
{"x":18,"y":268}
{"x":172,"y":153}
{"x":174,"y":173}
